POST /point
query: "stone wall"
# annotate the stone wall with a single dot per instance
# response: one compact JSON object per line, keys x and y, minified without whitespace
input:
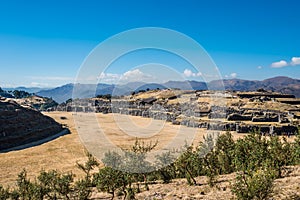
{"x":189,"y":114}
{"x":19,"y":125}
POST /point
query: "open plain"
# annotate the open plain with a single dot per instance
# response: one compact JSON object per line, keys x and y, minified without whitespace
{"x":63,"y":153}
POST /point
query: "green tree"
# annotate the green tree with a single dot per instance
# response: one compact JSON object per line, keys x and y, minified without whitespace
{"x":251,"y":185}
{"x":109,"y":180}
{"x":280,"y":154}
{"x":188,"y":164}
{"x":132,"y":162}
{"x":4,"y":192}
{"x":225,"y":153}
{"x":88,"y":166}
{"x":250,"y":152}
{"x":112,"y":159}
{"x":137,"y":165}
{"x":83,"y":187}
{"x":208,"y":156}
{"x":25,"y":189}
{"x":296,"y":150}
{"x":53,"y":185}
{"x":69,"y":100}
{"x":47,"y":184}
{"x":18,"y":94}
{"x":165,"y":167}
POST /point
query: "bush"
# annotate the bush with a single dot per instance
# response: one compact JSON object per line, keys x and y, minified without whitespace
{"x":129,"y":168}
{"x":256,"y":160}
{"x":83,"y":188}
{"x":4,"y":192}
{"x":279,"y":155}
{"x":250,"y":153}
{"x":296,"y":150}
{"x":188,"y":164}
{"x":208,"y":157}
{"x":53,"y":185}
{"x":165,"y":168}
{"x":253,"y":185}
{"x":25,"y":189}
{"x":109,"y":180}
{"x":225,"y":153}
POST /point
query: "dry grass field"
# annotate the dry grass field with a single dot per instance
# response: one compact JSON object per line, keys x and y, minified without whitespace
{"x":63,"y":153}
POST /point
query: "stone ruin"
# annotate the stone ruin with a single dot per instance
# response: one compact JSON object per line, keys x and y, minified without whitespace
{"x":19,"y":125}
{"x":192,"y":112}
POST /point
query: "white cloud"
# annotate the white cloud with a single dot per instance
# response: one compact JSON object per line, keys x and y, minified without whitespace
{"x":109,"y":77}
{"x":279,"y":64}
{"x":259,"y":67}
{"x":233,"y":75}
{"x":189,"y":73}
{"x":295,"y":61}
{"x":129,"y":76}
{"x":135,"y":75}
{"x":282,"y":63}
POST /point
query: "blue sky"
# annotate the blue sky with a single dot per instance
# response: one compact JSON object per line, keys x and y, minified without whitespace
{"x":44,"y":43}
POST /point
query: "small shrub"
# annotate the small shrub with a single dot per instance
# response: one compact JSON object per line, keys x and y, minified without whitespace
{"x":4,"y":193}
{"x":165,"y":167}
{"x":109,"y":180}
{"x":185,"y":164}
{"x":253,"y":185}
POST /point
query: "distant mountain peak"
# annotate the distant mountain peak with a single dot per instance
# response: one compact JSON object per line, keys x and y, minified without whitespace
{"x":281,"y":84}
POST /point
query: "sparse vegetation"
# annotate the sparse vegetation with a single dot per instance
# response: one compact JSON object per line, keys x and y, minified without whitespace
{"x":253,"y":184}
{"x":4,"y":93}
{"x":104,"y":96}
{"x":256,"y":161}
{"x":18,"y":94}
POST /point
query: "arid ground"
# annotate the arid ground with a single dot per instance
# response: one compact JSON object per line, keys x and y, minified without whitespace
{"x":63,"y":153}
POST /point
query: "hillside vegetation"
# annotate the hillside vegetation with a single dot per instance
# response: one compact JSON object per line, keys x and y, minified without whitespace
{"x":258,"y":165}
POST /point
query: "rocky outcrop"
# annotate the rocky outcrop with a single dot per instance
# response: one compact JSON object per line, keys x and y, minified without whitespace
{"x":19,"y":125}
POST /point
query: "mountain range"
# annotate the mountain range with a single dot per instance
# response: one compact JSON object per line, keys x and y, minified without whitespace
{"x":277,"y":84}
{"x":26,"y":89}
